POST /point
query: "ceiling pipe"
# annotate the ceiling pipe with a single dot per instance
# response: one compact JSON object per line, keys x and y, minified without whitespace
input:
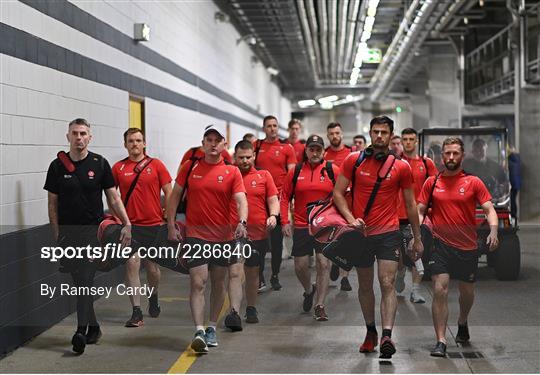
{"x":332,"y":26}
{"x":352,"y":34}
{"x":402,"y":45}
{"x":323,"y":37}
{"x":451,"y":12}
{"x":312,"y":18}
{"x":341,"y":38}
{"x":309,"y":43}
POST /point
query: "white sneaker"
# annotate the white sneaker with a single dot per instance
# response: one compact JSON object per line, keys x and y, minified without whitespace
{"x":400,"y":280}
{"x":417,"y":298}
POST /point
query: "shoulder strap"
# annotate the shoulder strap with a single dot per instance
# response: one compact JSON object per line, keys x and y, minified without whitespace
{"x":138,"y":169}
{"x":430,"y":198}
{"x":297,"y":170}
{"x":330,"y":172}
{"x":66,"y":161}
{"x":425,"y":166}
{"x":193,"y":152}
{"x":359,"y":161}
{"x":258,"y":145}
{"x":381,"y":176}
{"x":193,"y":161}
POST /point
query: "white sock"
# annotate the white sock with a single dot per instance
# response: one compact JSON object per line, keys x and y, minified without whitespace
{"x":212,"y":325}
{"x":415,"y":288}
{"x":199,"y":328}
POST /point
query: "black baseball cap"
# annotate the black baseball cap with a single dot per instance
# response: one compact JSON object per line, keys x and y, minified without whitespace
{"x":315,"y":140}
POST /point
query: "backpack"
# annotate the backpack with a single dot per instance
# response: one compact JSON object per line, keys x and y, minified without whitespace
{"x":298,"y":168}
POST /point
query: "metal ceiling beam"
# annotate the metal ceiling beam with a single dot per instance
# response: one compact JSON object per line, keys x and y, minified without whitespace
{"x":309,"y":41}
{"x":323,"y":36}
{"x":409,"y":35}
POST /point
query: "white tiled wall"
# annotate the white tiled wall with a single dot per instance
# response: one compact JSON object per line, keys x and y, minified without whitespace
{"x":37,"y":103}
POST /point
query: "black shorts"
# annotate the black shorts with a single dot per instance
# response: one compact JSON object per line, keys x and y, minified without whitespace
{"x":361,"y":251}
{"x":406,"y":238}
{"x":195,"y":251}
{"x":304,"y":243}
{"x":145,"y":236}
{"x":459,"y":264}
{"x":258,"y":247}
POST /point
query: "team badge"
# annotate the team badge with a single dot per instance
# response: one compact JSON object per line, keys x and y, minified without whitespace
{"x":220,"y":179}
{"x":148,"y":170}
{"x":91,"y":175}
{"x":461,"y":191}
{"x":253,"y":183}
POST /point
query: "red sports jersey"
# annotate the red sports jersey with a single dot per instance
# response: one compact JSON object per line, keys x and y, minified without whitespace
{"x":259,"y":187}
{"x":199,"y":154}
{"x":312,"y":185}
{"x":299,"y":148}
{"x":336,"y":157}
{"x":453,"y":212}
{"x":383,"y":216}
{"x":144,"y":206}
{"x":209,"y":195}
{"x":274,"y":157}
{"x":420,"y":174}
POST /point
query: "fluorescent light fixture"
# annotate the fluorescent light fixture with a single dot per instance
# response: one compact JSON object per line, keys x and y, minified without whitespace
{"x":273,"y":71}
{"x":327,"y":99}
{"x":326,"y":105}
{"x":363,"y":51}
{"x":365,"y":129}
{"x":349,"y":98}
{"x":306,"y":103}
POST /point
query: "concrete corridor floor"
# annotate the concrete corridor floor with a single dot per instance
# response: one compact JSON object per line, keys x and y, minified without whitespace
{"x":504,"y":325}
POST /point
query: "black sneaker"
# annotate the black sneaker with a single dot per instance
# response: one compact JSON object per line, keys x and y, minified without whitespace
{"x":308,"y":299}
{"x":251,"y":315}
{"x":345,"y":285}
{"x":79,"y":342}
{"x":136,"y":319}
{"x":93,"y":335}
{"x":233,"y":321}
{"x":334,"y":272}
{"x":439,"y":350}
{"x":463,"y":336}
{"x":153,"y":306}
{"x":387,"y":348}
{"x":274,"y":282}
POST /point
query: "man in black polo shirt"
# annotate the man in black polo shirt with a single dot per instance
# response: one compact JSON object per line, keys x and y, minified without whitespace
{"x":75,"y":182}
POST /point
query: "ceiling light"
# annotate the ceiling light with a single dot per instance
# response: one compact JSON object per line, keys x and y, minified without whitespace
{"x":349,"y":97}
{"x":249,"y":38}
{"x":306,"y":103}
{"x":326,"y":105}
{"x":272,"y":71}
{"x":327,"y":99}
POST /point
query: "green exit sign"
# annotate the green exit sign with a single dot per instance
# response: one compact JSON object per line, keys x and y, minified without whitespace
{"x":372,"y":56}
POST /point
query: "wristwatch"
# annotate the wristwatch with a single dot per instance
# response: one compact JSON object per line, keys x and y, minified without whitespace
{"x":274,"y":215}
{"x":243,"y":222}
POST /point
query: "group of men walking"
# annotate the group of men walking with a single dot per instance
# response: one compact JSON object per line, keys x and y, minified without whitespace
{"x":261,"y":195}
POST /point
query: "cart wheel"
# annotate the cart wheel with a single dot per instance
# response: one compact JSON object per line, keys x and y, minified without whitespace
{"x":508,"y":258}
